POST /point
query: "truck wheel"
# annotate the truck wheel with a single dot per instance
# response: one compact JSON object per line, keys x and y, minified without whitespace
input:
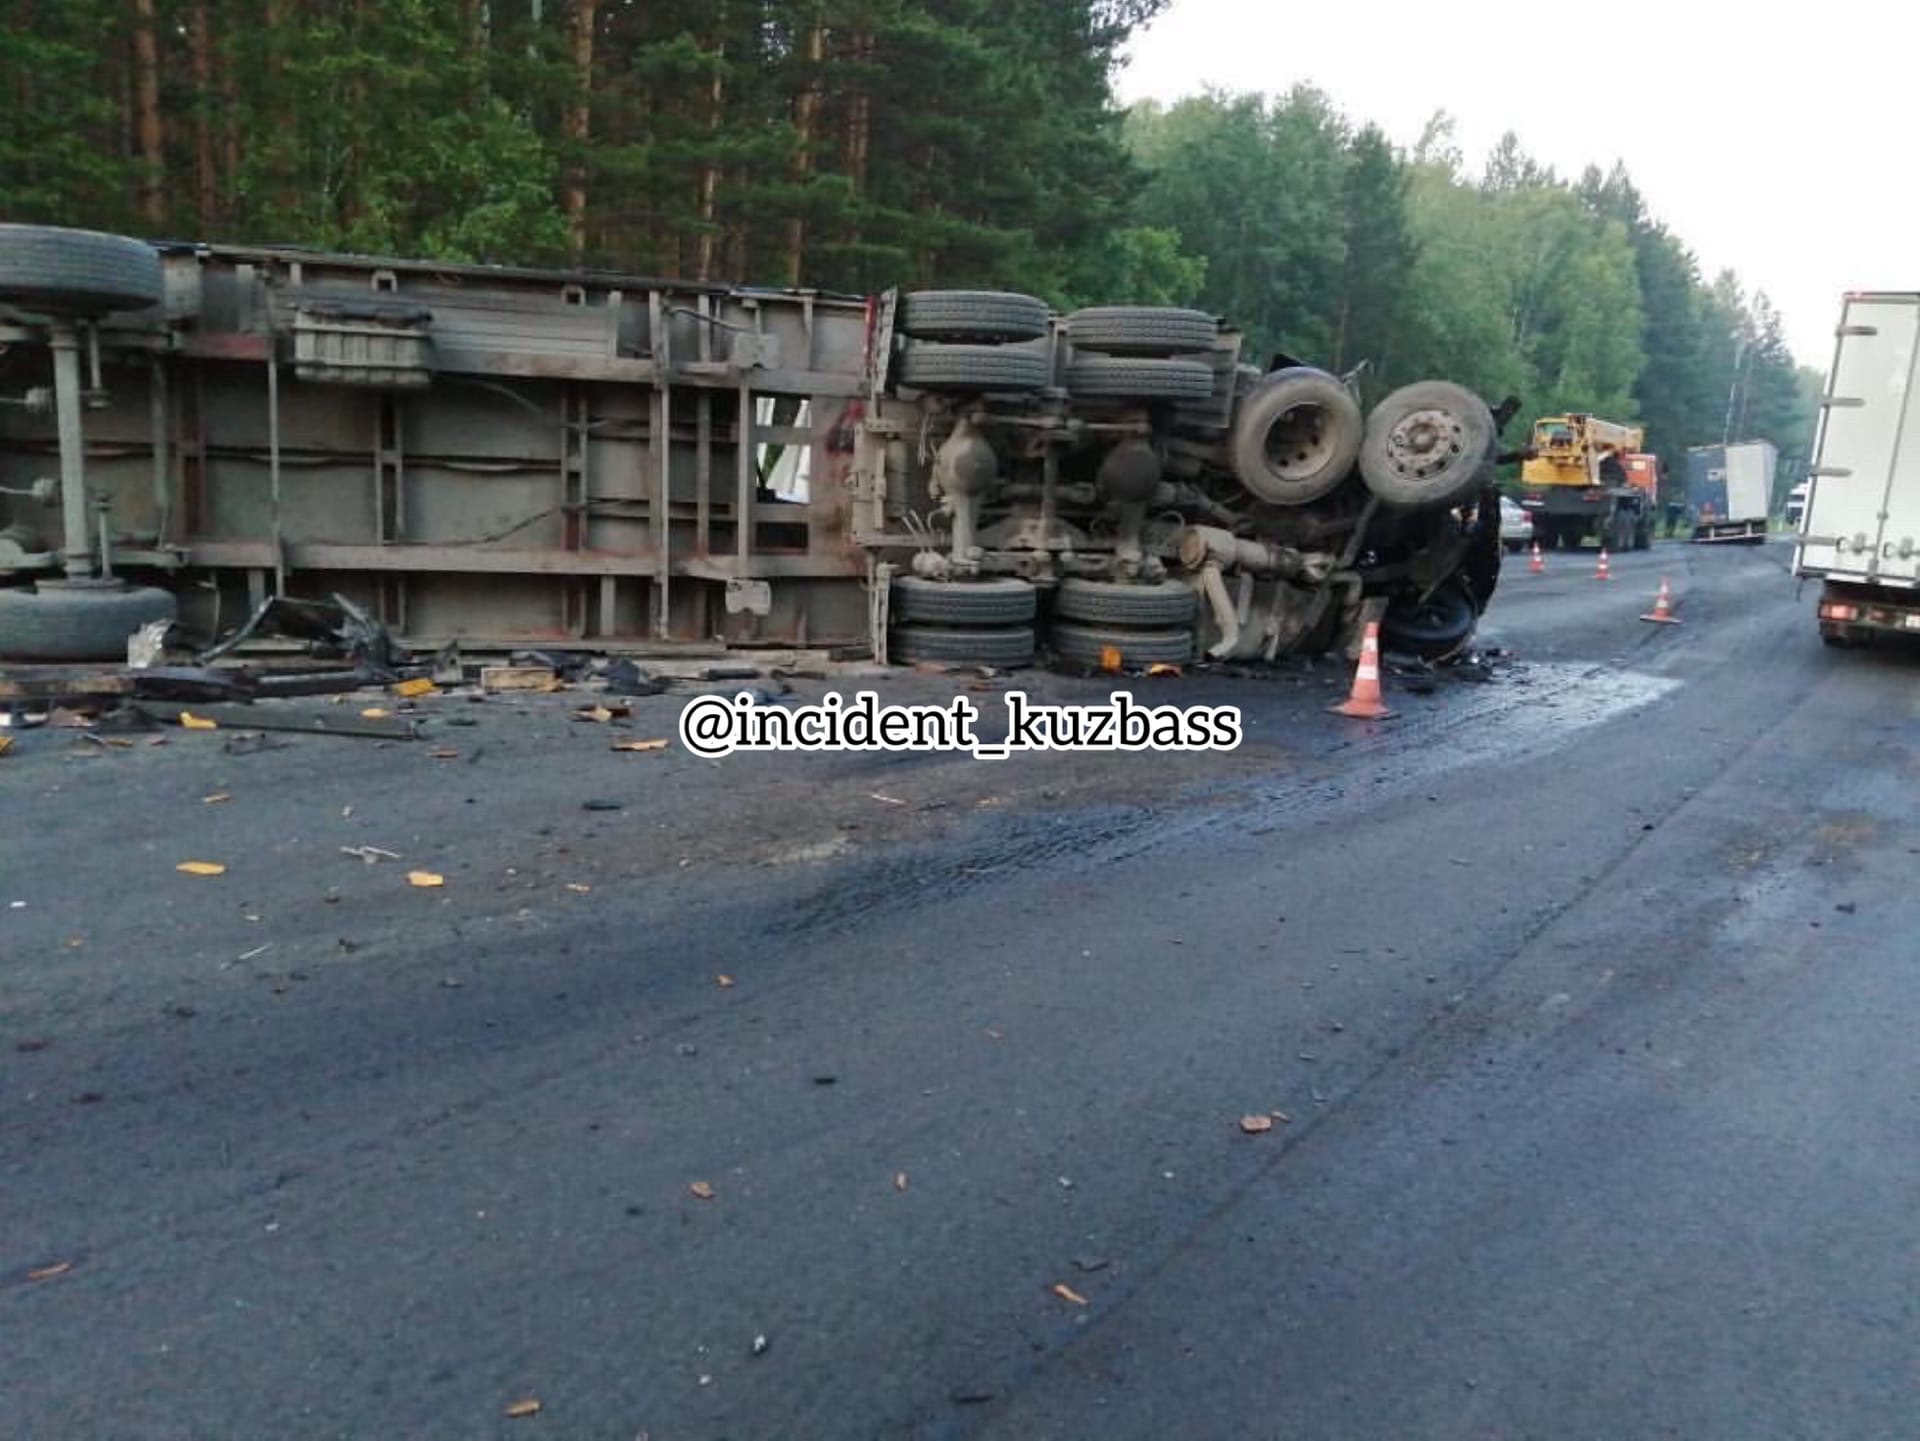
{"x":59,"y":620}
{"x":1006,"y":647}
{"x":927,"y":366}
{"x":1427,"y":445}
{"x":1166,"y":604}
{"x":981,"y":315}
{"x":1124,"y":378}
{"x":961,"y":602}
{"x":1295,"y":436}
{"x":1432,"y":627}
{"x":1151,"y":330}
{"x":1086,"y":645}
{"x":76,"y":272}
{"x":1841,"y":637}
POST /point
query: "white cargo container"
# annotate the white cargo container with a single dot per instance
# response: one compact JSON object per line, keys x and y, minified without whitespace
{"x":1860,"y":535}
{"x":1730,"y":490}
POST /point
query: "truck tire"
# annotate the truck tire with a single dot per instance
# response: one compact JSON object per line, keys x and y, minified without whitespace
{"x":1006,"y":647}
{"x":1168,"y":603}
{"x":1432,"y":627}
{"x":927,"y":366}
{"x":987,"y":316}
{"x":76,"y":272}
{"x":1124,"y":378}
{"x":1085,"y":645}
{"x":962,"y":602}
{"x":1427,"y":445}
{"x":1296,"y":436}
{"x":61,"y":621}
{"x":1147,"y":330}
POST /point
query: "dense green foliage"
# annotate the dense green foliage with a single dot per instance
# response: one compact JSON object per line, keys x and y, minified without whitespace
{"x":1323,"y":242}
{"x":861,"y":143}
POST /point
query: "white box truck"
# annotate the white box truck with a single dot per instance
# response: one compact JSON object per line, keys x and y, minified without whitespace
{"x":1860,"y":534}
{"x":1730,"y":491}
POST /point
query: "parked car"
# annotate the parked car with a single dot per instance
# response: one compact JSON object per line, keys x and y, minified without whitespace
{"x":1516,"y":525}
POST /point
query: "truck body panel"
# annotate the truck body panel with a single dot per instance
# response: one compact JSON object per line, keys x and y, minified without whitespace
{"x":1860,"y":532}
{"x":1730,"y":490}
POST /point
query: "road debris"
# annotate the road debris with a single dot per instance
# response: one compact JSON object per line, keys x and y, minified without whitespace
{"x":278,"y":716}
{"x":47,"y":1273}
{"x":601,"y":714}
{"x":899,"y":1180}
{"x":201,"y":868}
{"x":218,"y":798}
{"x":369,"y":854}
{"x":702,"y":1190}
{"x":496,"y":679}
{"x":725,"y":983}
{"x":577,"y":888}
{"x":623,"y":677}
{"x":425,"y":880}
{"x":443,"y":753}
{"x":761,"y":1345}
{"x":600,"y":805}
{"x":1068,"y":1294}
{"x":528,"y":1406}
{"x":1256,"y":1125}
{"x":652,"y":745}
{"x":415,"y":688}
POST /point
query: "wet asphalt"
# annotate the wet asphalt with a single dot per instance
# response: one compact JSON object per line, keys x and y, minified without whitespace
{"x":856,"y":1098}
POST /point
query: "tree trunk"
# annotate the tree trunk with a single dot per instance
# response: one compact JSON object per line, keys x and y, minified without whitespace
{"x":578,"y":124}
{"x":480,"y":47}
{"x":148,"y":134}
{"x":206,"y":180}
{"x":860,"y":118}
{"x":229,"y":88}
{"x":806,"y":121}
{"x":709,"y":240}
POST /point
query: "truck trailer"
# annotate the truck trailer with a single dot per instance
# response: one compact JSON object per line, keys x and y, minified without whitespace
{"x":501,"y":458}
{"x":1860,"y":534}
{"x":1730,"y":491}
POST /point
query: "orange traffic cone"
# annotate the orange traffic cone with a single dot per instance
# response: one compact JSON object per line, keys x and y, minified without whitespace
{"x":1663,"y":606}
{"x":1538,"y":564}
{"x":1605,"y":569}
{"x":1365,"y":703}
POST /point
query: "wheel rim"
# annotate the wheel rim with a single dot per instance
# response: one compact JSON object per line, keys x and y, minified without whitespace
{"x":1297,"y":444}
{"x":1425,"y":443}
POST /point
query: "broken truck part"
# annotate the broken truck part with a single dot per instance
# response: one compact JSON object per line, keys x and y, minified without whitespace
{"x":513,"y":459}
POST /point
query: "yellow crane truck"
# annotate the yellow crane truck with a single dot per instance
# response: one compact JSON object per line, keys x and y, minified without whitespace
{"x":1583,"y":478}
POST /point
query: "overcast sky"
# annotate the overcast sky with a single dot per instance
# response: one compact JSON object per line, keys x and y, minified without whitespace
{"x":1776,"y":140}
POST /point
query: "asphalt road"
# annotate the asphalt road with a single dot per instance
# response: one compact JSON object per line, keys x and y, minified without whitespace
{"x":1581,"y":1000}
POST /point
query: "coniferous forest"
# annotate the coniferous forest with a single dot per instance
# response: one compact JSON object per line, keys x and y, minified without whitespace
{"x":857,"y":144}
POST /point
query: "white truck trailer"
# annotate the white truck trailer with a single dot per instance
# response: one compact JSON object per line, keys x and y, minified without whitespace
{"x":1730,"y":491}
{"x":1860,"y":534}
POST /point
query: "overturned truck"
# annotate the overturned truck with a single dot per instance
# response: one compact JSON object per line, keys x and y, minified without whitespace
{"x":501,"y":457}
